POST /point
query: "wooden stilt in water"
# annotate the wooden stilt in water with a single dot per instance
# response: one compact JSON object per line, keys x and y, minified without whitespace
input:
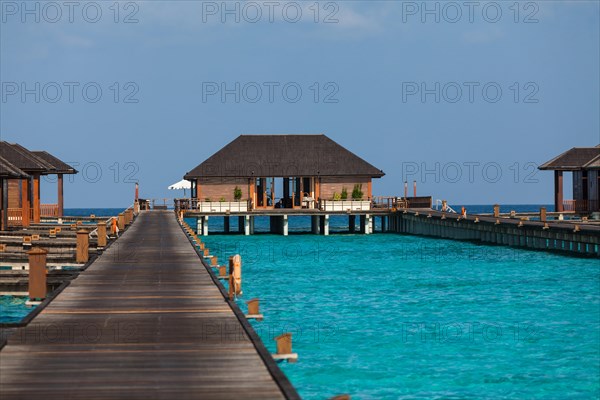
{"x":37,"y":273}
{"x":284,"y":348}
{"x":83,"y":246}
{"x":253,"y":310}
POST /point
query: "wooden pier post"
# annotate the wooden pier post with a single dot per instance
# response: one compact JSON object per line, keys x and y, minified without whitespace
{"x":214,"y":261}
{"x":226,"y":224}
{"x":351,"y":223}
{"x":83,"y":246}
{"x":363,"y":223}
{"x":101,"y":226}
{"x":121,"y":222}
{"x":284,"y":348}
{"x":543,"y":214}
{"x":314,"y":224}
{"x":253,"y":310}
{"x":37,"y":273}
{"x":496,"y":211}
{"x":241,"y":223}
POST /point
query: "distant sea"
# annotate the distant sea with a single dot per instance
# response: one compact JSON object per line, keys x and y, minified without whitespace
{"x":86,"y":212}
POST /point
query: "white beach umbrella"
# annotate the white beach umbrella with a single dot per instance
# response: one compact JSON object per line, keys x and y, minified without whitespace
{"x":182,"y":184}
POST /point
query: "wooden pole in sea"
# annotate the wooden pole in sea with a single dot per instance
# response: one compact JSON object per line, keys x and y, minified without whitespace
{"x":101,"y":233}
{"x":83,"y":246}
{"x":37,"y":273}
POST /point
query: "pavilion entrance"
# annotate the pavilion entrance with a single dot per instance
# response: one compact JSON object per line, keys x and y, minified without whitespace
{"x":289,"y":192}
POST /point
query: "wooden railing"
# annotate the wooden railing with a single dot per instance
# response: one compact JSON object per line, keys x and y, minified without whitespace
{"x":15,"y":216}
{"x":212,"y":206}
{"x":345,"y":205}
{"x":49,"y":210}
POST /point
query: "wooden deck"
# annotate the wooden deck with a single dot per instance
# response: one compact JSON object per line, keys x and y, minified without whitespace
{"x":146,"y":320}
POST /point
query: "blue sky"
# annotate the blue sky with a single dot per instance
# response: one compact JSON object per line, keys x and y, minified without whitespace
{"x":465,"y":101}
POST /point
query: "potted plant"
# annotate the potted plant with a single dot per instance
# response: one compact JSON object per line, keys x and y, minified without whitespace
{"x":237,"y":193}
{"x":336,"y":196}
{"x":357,"y":193}
{"x":344,"y":195}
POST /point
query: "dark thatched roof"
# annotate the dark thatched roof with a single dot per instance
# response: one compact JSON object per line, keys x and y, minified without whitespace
{"x":577,"y":158}
{"x":30,"y":162}
{"x":22,"y":158}
{"x":60,"y":167}
{"x":7,"y":170}
{"x":283,"y":156}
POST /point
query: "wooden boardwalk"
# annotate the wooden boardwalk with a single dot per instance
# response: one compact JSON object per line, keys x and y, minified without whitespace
{"x":146,"y":320}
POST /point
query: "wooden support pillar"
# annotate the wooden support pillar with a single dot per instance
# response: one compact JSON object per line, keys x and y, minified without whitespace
{"x":25,"y":204}
{"x":121,"y":222}
{"x":352,"y":223}
{"x":285,"y":225}
{"x":241,"y":224}
{"x":314,"y":224}
{"x":61,"y":201}
{"x":383,"y":224}
{"x":252,"y":192}
{"x":37,"y":273}
{"x":496,"y":211}
{"x":543,"y":214}
{"x":101,"y":234}
{"x":4,"y":199}
{"x":36,"y":199}
{"x":254,"y":310}
{"x":326,"y":225}
{"x":226,"y":224}
{"x":247,"y":225}
{"x":284,"y":348}
{"x":83,"y":246}
{"x":363,"y":224}
{"x":558,"y":191}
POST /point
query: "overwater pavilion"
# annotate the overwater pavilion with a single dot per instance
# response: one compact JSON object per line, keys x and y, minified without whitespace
{"x":283,"y":172}
{"x":584,"y":163}
{"x":21,"y":171}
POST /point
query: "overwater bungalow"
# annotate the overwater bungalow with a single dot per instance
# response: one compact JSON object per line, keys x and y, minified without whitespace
{"x":584,"y":164}
{"x":302,"y":172}
{"x":20,"y":174}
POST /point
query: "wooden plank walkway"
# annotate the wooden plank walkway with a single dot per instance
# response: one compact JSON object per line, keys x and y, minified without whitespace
{"x":146,"y":321}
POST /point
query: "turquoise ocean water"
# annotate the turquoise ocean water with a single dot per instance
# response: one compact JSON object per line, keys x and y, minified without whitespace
{"x":390,"y":316}
{"x":13,"y":308}
{"x":393,"y":316}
